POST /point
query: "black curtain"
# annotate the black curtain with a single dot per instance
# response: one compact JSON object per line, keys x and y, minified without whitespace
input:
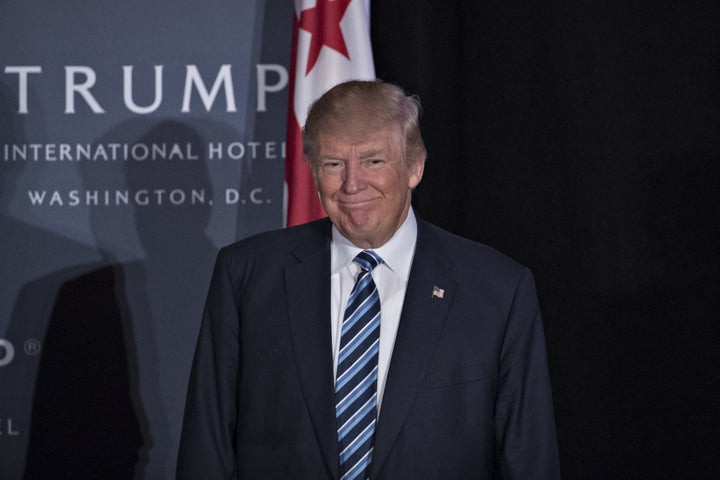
{"x":583,"y":139}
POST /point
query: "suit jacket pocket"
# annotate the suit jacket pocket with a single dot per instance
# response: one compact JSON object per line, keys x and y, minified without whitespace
{"x":455,"y":376}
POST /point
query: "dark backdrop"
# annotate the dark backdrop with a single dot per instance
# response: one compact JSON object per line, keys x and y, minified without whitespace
{"x":583,"y":139}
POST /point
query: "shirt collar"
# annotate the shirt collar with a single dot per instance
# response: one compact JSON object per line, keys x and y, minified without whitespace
{"x":397,"y":252}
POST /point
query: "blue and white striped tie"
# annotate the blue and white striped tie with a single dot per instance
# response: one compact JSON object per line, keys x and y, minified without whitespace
{"x":356,"y":383}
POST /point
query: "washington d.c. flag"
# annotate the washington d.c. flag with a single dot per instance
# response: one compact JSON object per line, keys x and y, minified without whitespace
{"x":331,"y":44}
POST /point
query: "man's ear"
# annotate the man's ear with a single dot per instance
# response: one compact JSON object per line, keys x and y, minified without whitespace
{"x":416,"y":168}
{"x":313,"y":171}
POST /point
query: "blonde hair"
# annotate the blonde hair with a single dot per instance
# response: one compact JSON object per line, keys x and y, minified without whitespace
{"x":358,"y":108}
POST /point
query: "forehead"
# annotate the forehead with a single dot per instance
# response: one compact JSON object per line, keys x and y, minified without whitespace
{"x":384,"y":141}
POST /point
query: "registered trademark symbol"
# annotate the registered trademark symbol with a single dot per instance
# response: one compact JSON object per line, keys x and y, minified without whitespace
{"x":32,"y":347}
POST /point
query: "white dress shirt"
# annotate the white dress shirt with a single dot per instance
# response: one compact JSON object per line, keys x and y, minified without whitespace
{"x":391,"y":279}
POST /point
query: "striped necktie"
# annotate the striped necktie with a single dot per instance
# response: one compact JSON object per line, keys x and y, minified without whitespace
{"x":356,"y":383}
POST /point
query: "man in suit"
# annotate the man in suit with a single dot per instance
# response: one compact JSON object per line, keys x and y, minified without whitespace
{"x":447,"y":378}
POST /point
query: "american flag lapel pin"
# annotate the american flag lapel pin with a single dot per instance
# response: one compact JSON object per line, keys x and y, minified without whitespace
{"x":438,"y":292}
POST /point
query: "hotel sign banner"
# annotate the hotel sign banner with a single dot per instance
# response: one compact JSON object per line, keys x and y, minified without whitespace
{"x":136,"y":139}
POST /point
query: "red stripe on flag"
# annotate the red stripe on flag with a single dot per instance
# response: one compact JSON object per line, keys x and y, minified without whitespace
{"x":303,"y":202}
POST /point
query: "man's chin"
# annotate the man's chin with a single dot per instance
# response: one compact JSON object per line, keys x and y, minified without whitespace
{"x":358,"y":234}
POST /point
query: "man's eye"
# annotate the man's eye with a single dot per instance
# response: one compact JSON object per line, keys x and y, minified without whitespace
{"x":331,"y":166}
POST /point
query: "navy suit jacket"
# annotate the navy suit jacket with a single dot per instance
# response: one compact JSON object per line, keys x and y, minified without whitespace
{"x":467,"y":393}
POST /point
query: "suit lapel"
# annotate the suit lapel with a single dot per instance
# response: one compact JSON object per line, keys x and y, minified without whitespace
{"x":421,"y":323}
{"x":307,"y":285}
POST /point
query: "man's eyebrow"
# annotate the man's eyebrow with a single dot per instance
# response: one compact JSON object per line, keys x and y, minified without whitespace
{"x":362,"y":155}
{"x":372,"y":153}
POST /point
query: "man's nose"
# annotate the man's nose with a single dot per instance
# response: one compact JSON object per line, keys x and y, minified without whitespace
{"x":353,"y":180}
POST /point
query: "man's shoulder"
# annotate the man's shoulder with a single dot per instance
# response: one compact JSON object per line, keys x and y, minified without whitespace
{"x":274,"y":243}
{"x":465,"y":253}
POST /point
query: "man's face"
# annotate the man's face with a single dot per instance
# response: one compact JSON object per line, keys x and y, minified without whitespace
{"x":365,"y":185}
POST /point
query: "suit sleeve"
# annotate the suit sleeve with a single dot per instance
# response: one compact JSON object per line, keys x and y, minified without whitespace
{"x":207,"y":444}
{"x":524,"y":421}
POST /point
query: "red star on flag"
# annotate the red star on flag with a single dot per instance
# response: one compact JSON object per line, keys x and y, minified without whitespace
{"x":323,"y":23}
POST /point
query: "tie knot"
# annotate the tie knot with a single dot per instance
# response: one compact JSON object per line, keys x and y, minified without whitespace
{"x":368,"y":260}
